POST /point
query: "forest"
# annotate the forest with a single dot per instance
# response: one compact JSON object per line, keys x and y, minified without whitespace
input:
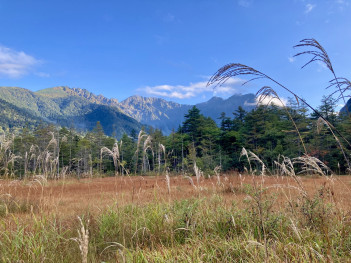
{"x":267,"y":131}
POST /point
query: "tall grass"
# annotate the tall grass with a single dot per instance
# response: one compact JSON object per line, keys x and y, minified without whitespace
{"x":204,"y":229}
{"x":193,"y":230}
{"x":83,"y":240}
{"x":114,"y":153}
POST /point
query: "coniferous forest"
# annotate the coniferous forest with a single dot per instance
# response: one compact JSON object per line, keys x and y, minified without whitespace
{"x":267,"y":131}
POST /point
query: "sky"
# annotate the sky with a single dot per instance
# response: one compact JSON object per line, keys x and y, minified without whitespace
{"x":170,"y":49}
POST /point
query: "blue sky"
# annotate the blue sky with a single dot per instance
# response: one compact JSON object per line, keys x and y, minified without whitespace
{"x":169,"y":49}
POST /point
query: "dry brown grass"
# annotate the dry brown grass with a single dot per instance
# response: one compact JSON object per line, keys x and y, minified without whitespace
{"x":72,"y":197}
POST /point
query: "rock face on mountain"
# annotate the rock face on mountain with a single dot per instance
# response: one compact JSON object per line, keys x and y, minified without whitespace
{"x":156,"y":112}
{"x":168,"y":115}
{"x":79,"y":108}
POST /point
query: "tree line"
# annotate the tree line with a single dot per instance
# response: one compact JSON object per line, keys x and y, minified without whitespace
{"x":268,"y":131}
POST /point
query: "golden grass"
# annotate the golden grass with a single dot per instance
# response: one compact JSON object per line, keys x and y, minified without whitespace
{"x":72,"y":197}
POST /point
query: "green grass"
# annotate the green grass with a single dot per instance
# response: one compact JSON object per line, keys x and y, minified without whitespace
{"x":9,"y":205}
{"x":193,"y":230}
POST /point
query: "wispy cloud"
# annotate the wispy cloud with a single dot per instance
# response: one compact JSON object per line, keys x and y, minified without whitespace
{"x":15,"y":64}
{"x":291,"y":59}
{"x":193,"y":89}
{"x":309,"y":8}
{"x":245,"y":3}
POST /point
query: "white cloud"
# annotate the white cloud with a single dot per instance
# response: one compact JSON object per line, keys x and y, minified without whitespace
{"x":193,"y":89}
{"x":245,"y":3}
{"x":291,"y":59}
{"x":309,"y":8}
{"x":15,"y":64}
{"x":268,"y":100}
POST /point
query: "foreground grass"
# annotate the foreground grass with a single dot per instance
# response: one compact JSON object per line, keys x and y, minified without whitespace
{"x":203,"y":229}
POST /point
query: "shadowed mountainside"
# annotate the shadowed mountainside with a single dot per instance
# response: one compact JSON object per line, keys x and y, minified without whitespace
{"x":347,"y":107}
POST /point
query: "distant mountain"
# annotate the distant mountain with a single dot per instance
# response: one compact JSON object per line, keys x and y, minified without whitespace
{"x":347,"y":107}
{"x":168,"y":115}
{"x":215,"y":106}
{"x":67,"y":107}
{"x":156,"y":112}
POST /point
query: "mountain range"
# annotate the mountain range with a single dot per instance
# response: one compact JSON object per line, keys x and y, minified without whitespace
{"x":168,"y":115}
{"x":81,"y":109}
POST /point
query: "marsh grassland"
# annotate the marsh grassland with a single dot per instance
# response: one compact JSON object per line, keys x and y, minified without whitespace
{"x":224,"y":218}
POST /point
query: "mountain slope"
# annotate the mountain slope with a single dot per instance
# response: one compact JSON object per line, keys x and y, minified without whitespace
{"x":14,"y":117}
{"x":156,"y":112}
{"x":113,"y":122}
{"x":68,"y":107}
{"x":347,"y":107}
{"x":28,"y":100}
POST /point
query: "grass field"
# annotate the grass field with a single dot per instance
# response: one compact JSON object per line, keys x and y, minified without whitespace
{"x":230,"y":218}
